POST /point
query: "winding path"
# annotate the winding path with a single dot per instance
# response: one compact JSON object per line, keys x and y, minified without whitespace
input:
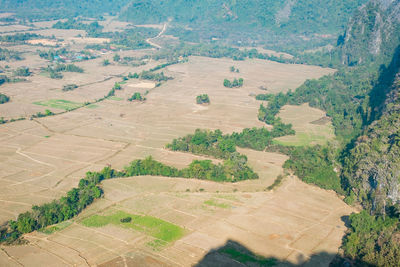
{"x":149,"y":40}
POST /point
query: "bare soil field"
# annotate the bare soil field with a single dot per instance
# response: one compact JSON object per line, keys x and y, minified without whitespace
{"x":43,"y":158}
{"x":292,"y":223}
{"x":94,"y":83}
{"x":45,"y":42}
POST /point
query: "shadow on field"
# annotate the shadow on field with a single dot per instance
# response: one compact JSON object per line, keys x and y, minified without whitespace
{"x":234,"y":254}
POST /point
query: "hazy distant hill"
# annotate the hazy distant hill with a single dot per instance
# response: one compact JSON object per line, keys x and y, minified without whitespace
{"x":244,"y":20}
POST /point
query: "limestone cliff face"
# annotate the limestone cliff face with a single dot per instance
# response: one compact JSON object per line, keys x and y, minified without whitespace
{"x":373,"y":167}
{"x":374,"y":30}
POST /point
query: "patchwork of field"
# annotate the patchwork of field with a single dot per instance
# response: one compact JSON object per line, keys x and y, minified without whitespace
{"x":174,"y":222}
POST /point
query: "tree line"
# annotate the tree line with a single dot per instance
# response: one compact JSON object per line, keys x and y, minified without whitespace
{"x":89,"y":189}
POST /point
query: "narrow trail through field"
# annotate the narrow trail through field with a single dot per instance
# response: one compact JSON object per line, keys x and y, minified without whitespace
{"x":149,"y":40}
{"x":11,"y":257}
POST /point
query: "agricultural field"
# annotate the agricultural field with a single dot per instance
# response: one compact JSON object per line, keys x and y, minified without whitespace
{"x":311,"y":125}
{"x":172,"y":221}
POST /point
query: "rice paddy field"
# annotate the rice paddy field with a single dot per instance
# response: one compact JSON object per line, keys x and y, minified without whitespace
{"x":158,"y":221}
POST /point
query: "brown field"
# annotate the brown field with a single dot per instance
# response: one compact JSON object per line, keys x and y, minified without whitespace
{"x":45,"y":42}
{"x":41,"y":159}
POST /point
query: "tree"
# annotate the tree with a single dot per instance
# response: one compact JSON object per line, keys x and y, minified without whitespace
{"x":69,"y":87}
{"x":202,"y":99}
{"x":137,"y":96}
{"x":4,"y":98}
{"x":116,"y":58}
{"x":117,"y":86}
{"x":22,"y":71}
{"x":227,"y":83}
{"x":106,"y":62}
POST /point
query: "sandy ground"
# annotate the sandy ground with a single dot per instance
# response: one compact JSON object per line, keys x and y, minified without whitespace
{"x":41,"y":159}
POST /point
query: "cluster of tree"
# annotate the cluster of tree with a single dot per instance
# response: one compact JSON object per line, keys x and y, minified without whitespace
{"x":200,"y":169}
{"x":117,"y":86}
{"x":58,"y":210}
{"x":69,"y":87}
{"x":4,"y":98}
{"x":88,"y":190}
{"x":134,"y":38}
{"x":55,"y":71}
{"x":202,"y":99}
{"x":161,"y":66}
{"x":374,"y":240}
{"x":19,"y":37}
{"x":41,"y":115}
{"x":215,"y":51}
{"x":234,"y":84}
{"x":137,"y":97}
{"x":5,"y":79}
{"x":3,"y":121}
{"x":149,"y":75}
{"x":7,"y":55}
{"x":214,"y":143}
{"x":261,"y":138}
{"x":233,"y":69}
{"x":268,"y":113}
{"x":22,"y":71}
{"x":68,"y":68}
{"x":313,"y":165}
{"x":93,"y":29}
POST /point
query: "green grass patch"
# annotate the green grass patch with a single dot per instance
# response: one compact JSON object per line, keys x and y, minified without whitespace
{"x":59,"y":104}
{"x":115,"y":98}
{"x":246,"y":258}
{"x":92,"y":106}
{"x":301,"y":139}
{"x":214,"y":203}
{"x":55,"y":228}
{"x":160,"y":229}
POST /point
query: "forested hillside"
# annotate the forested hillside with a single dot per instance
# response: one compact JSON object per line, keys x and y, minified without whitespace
{"x":49,"y":9}
{"x":362,"y":99}
{"x":277,"y":22}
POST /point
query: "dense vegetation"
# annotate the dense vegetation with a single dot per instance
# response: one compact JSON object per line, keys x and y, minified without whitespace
{"x":47,"y":9}
{"x":137,"y":97}
{"x":234,"y":84}
{"x":4,"y":98}
{"x":215,"y":144}
{"x":281,"y":20}
{"x":69,"y":87}
{"x":152,"y":76}
{"x":93,"y":29}
{"x":19,"y":37}
{"x":22,"y":71}
{"x":54,"y":72}
{"x":374,"y":240}
{"x":7,"y":55}
{"x":203,"y":99}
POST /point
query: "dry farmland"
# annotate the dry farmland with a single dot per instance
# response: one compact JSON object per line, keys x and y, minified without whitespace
{"x":41,"y":159}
